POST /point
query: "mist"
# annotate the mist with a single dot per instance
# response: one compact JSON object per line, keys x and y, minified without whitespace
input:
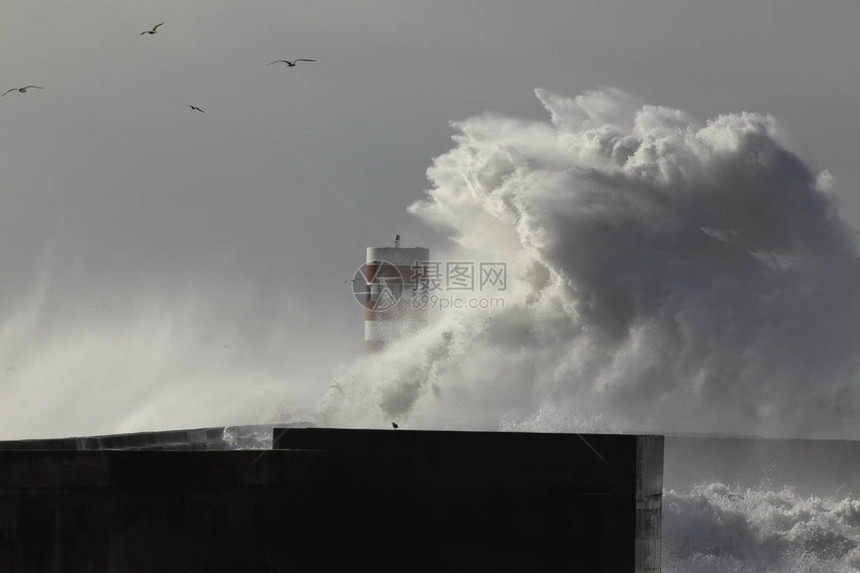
{"x":168,"y":354}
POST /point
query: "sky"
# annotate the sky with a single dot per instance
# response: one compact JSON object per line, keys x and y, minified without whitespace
{"x":151,"y":255}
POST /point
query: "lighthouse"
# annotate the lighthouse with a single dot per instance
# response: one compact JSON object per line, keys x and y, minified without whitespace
{"x":394,"y":288}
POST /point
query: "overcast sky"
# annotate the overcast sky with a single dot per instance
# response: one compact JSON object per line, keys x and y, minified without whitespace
{"x":117,"y":201}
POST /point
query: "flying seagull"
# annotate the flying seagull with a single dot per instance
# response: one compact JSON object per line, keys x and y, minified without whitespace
{"x":22,"y":90}
{"x":194,"y":107}
{"x":154,"y":28}
{"x":291,"y":63}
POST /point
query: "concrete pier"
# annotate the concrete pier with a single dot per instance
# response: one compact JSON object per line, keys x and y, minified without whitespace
{"x":337,"y":500}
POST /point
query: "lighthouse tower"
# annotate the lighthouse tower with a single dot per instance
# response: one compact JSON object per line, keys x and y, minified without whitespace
{"x":393,"y":297}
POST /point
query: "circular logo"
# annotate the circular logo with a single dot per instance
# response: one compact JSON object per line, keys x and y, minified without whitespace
{"x":377,"y":286}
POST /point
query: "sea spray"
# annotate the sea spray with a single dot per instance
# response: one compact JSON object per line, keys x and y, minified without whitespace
{"x":666,"y":274}
{"x":719,"y":528}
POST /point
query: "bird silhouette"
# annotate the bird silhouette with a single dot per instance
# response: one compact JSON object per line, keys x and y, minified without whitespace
{"x":22,"y":90}
{"x":291,"y":63}
{"x":194,"y":107}
{"x":394,"y":425}
{"x":154,"y":28}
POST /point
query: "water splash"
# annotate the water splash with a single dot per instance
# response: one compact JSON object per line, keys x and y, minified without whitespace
{"x":718,"y":528}
{"x":667,"y":274}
